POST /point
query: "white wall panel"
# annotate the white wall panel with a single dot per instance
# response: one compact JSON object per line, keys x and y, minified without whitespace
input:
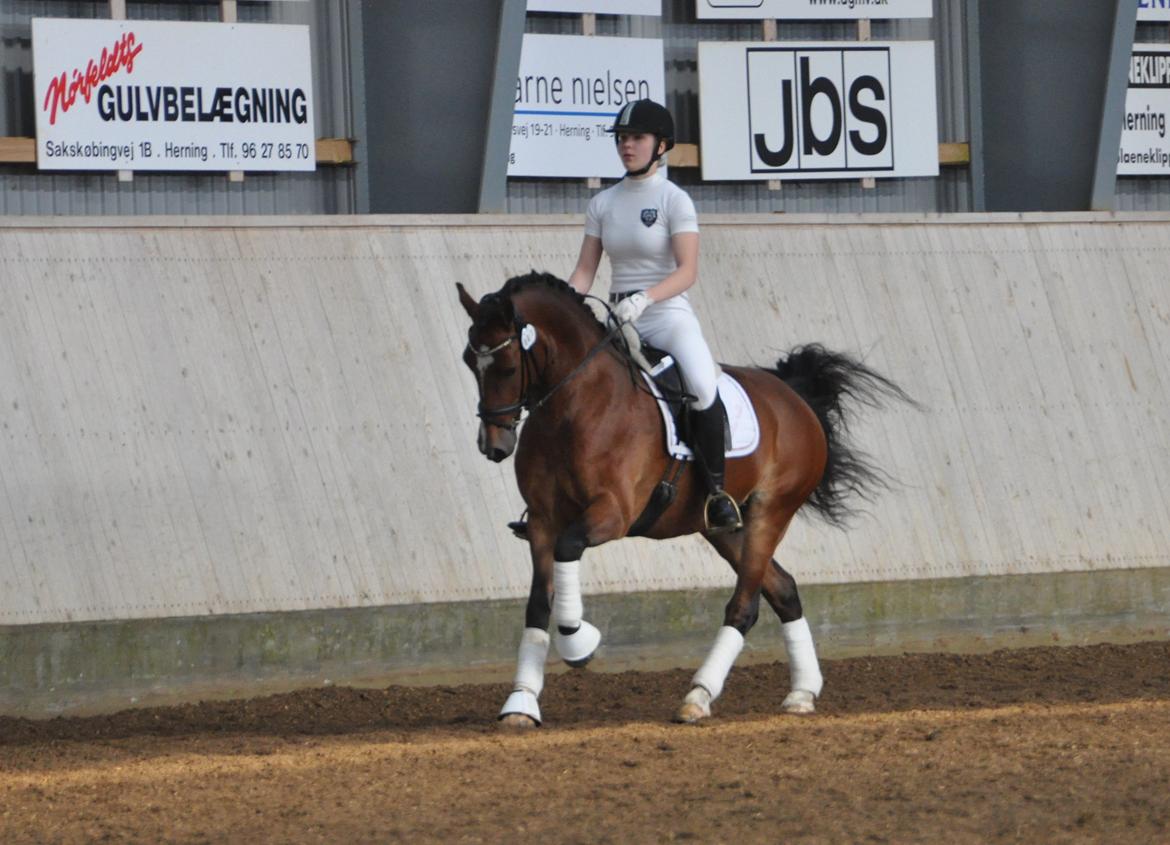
{"x":224,"y":415}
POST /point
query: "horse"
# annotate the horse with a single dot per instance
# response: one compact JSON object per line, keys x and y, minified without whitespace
{"x":591,"y":455}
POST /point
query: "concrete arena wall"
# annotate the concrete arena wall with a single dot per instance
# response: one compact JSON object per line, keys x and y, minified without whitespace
{"x":204,"y":418}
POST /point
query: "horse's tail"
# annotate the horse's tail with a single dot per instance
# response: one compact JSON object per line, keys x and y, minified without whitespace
{"x":825,"y":379}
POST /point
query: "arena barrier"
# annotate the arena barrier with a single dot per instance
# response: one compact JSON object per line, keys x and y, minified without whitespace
{"x":238,"y":454}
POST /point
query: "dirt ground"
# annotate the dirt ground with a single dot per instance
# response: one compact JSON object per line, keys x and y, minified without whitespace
{"x":1038,"y":745}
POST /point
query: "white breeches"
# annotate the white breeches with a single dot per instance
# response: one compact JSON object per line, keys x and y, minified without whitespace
{"x":673,"y":327}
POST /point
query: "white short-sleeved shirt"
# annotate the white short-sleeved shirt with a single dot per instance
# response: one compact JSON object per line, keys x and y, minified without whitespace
{"x":635,"y":220}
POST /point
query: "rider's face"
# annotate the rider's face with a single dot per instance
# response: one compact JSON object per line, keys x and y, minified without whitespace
{"x":635,"y":149}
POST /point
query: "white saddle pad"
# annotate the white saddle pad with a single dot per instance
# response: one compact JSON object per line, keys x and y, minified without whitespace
{"x":741,"y":416}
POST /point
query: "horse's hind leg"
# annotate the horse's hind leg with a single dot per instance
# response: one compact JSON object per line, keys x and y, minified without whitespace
{"x":779,"y":589}
{"x":750,"y":559}
{"x":804,"y":671}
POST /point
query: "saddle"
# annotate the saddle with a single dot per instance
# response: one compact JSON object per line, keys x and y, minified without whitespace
{"x":659,"y":368}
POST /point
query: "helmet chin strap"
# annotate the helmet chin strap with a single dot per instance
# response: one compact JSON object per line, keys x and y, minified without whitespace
{"x":653,"y":158}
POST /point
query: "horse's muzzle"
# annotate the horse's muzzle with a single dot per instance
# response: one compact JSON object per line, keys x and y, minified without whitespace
{"x":496,"y":443}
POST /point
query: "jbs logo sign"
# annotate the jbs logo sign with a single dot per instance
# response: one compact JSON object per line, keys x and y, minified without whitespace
{"x":820,"y":110}
{"x":816,"y":110}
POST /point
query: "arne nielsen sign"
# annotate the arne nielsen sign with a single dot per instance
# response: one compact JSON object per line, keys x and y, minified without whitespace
{"x":150,"y":95}
{"x":817,"y":111}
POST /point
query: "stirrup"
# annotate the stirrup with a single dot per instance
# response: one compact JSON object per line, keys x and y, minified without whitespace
{"x":721,"y":529}
{"x":519,"y":528}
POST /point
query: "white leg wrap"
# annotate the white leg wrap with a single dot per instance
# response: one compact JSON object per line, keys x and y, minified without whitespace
{"x":713,"y":672}
{"x":529,"y":681}
{"x":567,"y":606}
{"x":803,"y":668}
{"x":575,"y":648}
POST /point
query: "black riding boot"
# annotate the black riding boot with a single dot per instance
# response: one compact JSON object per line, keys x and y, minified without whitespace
{"x":721,"y":511}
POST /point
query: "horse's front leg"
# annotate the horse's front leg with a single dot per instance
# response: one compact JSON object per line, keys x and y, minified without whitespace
{"x":522,"y":708}
{"x":604,"y":519}
{"x":576,"y":640}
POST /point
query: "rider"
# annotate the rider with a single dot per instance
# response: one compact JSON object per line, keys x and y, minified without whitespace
{"x":650,"y":230}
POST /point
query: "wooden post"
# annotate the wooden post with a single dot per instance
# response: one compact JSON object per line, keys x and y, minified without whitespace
{"x":769,"y":25}
{"x":865,"y":33}
{"x":227,"y":14}
{"x":589,"y":27}
{"x":118,"y":13}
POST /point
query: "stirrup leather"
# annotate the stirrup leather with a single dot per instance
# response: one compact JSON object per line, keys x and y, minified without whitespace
{"x":713,"y":497}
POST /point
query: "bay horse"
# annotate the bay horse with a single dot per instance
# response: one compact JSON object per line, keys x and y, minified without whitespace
{"x":592,"y":452}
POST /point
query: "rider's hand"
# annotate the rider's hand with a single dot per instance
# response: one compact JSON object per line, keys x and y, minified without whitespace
{"x":631,"y":308}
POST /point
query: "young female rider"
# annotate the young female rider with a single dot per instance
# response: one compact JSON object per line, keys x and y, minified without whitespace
{"x":649,"y":228}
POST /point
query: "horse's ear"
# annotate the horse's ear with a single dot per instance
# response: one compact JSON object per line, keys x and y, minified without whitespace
{"x":469,"y":304}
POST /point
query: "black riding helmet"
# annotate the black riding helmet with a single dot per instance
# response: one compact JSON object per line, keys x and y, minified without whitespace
{"x":649,"y":117}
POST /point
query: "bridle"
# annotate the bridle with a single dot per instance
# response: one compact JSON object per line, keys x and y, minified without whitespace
{"x":485,"y":413}
{"x":524,"y":402}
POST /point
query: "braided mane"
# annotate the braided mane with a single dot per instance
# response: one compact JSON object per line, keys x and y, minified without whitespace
{"x":549,"y":282}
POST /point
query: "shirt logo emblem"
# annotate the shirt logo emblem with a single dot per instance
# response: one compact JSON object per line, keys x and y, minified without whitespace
{"x":649,"y":215}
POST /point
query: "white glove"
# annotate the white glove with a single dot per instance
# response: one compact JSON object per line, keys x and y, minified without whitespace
{"x":631,"y":308}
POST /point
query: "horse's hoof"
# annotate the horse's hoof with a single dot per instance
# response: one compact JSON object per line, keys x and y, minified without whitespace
{"x":696,"y":706}
{"x":690,"y":713}
{"x":518,"y":721}
{"x":799,"y":701}
{"x":582,"y":663}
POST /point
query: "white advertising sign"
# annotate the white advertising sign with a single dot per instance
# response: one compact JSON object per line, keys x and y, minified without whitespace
{"x":1153,"y":10}
{"x":829,"y":110}
{"x":151,"y":95}
{"x":813,"y":9}
{"x":600,"y":7}
{"x":569,"y":90}
{"x":1145,"y":149}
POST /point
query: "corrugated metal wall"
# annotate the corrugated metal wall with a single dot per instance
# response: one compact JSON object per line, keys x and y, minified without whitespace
{"x":333,"y":190}
{"x":330,"y":190}
{"x":230,"y":417}
{"x":681,"y":32}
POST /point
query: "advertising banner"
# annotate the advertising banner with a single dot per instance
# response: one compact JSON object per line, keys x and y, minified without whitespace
{"x":829,"y":110}
{"x":152,"y":95}
{"x":813,"y":9}
{"x":601,"y":7}
{"x":1153,"y":10}
{"x":569,"y":90}
{"x":1145,"y":149}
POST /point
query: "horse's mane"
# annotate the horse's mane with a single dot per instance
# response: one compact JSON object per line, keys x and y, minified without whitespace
{"x":549,"y":282}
